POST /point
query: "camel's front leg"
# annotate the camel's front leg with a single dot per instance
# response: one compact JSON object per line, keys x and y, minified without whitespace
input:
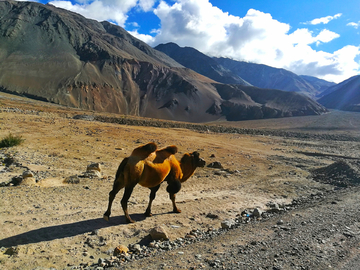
{"x":152,"y":197}
{"x":124,"y":202}
{"x":175,"y":209}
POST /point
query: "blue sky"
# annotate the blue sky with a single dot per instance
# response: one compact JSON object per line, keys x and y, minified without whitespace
{"x":308,"y":37}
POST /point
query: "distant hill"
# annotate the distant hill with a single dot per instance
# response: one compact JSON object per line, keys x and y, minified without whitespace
{"x":247,"y":102}
{"x":201,"y":63}
{"x":268,"y":77}
{"x":319,"y":84}
{"x":59,"y":56}
{"x":343,"y":96}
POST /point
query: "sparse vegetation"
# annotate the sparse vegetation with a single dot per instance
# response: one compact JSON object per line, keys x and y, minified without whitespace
{"x":11,"y":140}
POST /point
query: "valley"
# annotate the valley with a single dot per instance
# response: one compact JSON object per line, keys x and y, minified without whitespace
{"x":49,"y":221}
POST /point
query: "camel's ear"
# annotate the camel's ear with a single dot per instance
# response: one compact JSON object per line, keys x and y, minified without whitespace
{"x":196,"y":154}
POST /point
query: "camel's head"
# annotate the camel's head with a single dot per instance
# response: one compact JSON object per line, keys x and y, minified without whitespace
{"x":193,"y":159}
{"x":198,"y":161}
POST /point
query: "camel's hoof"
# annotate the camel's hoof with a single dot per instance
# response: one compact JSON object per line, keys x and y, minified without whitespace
{"x":176,"y":211}
{"x":148,"y":214}
{"x":106,"y":217}
{"x":130,"y":221}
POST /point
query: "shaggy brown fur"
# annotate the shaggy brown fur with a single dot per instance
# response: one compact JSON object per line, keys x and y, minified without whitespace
{"x":145,"y":166}
{"x":179,"y":173}
{"x":150,"y":167}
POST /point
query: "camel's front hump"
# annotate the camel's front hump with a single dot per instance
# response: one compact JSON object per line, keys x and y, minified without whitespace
{"x":154,"y":174}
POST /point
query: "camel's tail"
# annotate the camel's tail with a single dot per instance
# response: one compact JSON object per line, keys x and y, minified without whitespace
{"x":120,"y":170}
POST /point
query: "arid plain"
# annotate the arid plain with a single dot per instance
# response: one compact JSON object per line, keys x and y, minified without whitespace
{"x":49,"y":222}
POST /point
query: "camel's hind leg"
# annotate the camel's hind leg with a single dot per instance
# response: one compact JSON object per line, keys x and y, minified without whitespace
{"x":124,"y":202}
{"x":118,"y":185}
{"x":152,"y":197}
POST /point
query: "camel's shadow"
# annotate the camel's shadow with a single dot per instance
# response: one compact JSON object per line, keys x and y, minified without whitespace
{"x":65,"y":230}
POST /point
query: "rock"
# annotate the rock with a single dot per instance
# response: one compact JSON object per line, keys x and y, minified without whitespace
{"x":94,"y":167}
{"x":257,"y":213}
{"x":84,"y":117}
{"x":28,"y":181}
{"x":246,"y":213}
{"x":8,"y":182}
{"x":16,"y":180}
{"x":27,"y":174}
{"x":94,"y":174}
{"x":91,"y":174}
{"x":215,"y":165}
{"x":274,"y":207}
{"x":227,"y":224}
{"x":121,"y":249}
{"x":9,"y":160}
{"x":213,"y":216}
{"x":136,"y":248}
{"x":74,"y":179}
{"x":11,"y":251}
{"x":159,"y":233}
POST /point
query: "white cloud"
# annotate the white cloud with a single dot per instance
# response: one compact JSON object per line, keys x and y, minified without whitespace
{"x":111,"y":10}
{"x":146,"y":38}
{"x":257,"y":37}
{"x":354,"y":24}
{"x":325,"y":20}
{"x":146,"y":5}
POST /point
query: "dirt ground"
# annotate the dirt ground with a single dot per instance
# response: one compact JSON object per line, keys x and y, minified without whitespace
{"x":46,"y":222}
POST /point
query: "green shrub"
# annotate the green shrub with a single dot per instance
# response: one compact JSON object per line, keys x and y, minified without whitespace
{"x":11,"y":140}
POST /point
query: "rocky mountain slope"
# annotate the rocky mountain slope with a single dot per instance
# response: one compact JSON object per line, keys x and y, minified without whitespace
{"x":230,"y":71}
{"x":343,"y":96}
{"x":319,"y":84}
{"x":268,"y":77}
{"x":201,"y":63}
{"x":59,"y":56}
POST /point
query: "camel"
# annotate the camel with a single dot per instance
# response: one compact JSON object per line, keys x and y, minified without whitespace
{"x":149,"y":167}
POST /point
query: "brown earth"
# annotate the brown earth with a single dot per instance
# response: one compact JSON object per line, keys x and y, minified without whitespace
{"x":47,"y":223}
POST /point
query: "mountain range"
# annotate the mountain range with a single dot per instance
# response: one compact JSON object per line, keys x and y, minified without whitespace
{"x":59,"y":56}
{"x":226,"y":70}
{"x":343,"y":96}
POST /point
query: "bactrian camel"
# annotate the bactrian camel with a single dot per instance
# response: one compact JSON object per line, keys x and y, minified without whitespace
{"x":149,"y":167}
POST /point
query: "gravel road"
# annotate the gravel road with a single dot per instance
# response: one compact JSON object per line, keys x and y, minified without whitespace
{"x":321,"y":232}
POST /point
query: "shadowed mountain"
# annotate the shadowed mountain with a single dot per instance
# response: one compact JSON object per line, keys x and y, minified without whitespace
{"x":343,"y":96}
{"x":59,"y":56}
{"x":268,"y":77}
{"x":201,"y":63}
{"x":258,"y":103}
{"x":319,"y":84}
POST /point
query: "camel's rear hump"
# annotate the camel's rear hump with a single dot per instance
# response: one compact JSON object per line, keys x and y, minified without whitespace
{"x":165,"y":153}
{"x":144,"y":151}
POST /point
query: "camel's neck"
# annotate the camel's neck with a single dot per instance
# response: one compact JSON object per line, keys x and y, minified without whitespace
{"x":187,"y":170}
